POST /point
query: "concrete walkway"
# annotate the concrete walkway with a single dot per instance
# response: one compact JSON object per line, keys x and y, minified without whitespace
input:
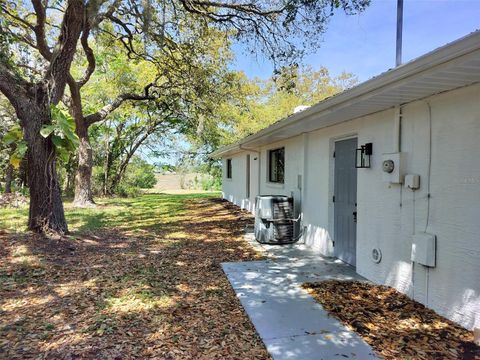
{"x":290,"y":322}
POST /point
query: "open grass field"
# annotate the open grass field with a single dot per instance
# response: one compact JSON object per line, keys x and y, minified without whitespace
{"x":136,"y":278}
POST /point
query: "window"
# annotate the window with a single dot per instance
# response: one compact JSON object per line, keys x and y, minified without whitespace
{"x":229,"y":168}
{"x":276,"y":165}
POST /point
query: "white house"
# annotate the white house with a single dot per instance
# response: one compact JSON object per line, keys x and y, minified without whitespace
{"x":423,"y":116}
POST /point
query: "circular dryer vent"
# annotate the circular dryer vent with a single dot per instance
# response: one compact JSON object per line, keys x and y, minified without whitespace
{"x":376,"y":255}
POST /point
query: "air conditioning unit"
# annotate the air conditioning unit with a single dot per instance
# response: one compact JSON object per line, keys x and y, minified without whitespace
{"x":274,"y":219}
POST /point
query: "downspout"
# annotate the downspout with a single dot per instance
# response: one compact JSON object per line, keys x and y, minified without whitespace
{"x":429,"y":173}
{"x":259,"y":163}
{"x":398,"y":61}
{"x":397,"y":124}
{"x":303,"y":189}
{"x":397,"y":129}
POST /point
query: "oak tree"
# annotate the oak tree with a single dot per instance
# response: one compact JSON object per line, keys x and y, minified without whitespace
{"x":39,"y":40}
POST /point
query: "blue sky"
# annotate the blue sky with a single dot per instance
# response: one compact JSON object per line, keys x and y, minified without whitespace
{"x":364,"y":44}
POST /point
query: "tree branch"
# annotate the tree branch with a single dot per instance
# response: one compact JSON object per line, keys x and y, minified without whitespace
{"x":88,"y":53}
{"x":133,"y":149}
{"x":108,"y":109}
{"x":15,"y":89}
{"x":25,"y":23}
{"x":247,"y":8}
{"x":62,"y":57}
{"x":76,"y":105}
{"x":39,"y":30}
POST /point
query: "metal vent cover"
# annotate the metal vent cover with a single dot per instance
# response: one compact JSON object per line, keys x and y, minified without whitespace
{"x":376,"y":255}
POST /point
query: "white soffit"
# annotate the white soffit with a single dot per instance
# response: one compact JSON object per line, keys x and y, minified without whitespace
{"x":449,"y":67}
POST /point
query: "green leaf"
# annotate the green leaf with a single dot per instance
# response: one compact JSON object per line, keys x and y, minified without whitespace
{"x":63,"y":154}
{"x":14,"y":135}
{"x":18,"y":154}
{"x":64,"y":127}
{"x":72,"y":138}
{"x":58,"y":141}
{"x":46,"y":130}
{"x":21,"y":149}
{"x":15,"y":161}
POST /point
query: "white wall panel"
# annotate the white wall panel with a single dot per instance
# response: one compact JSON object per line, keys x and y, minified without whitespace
{"x":388,"y":214}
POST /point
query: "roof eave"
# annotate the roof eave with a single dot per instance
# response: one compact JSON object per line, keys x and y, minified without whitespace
{"x":444,"y":54}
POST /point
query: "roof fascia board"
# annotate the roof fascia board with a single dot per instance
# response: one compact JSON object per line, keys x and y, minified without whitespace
{"x":455,"y":51}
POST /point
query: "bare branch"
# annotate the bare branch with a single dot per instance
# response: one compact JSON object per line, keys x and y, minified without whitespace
{"x":246,"y":8}
{"x":88,"y":54}
{"x":15,"y":89}
{"x":62,"y":58}
{"x":98,"y":18}
{"x":108,"y":109}
{"x":39,"y":30}
{"x":24,"y":22}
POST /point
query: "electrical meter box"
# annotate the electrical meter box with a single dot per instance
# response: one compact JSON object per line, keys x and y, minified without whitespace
{"x":424,"y":248}
{"x":393,"y":167}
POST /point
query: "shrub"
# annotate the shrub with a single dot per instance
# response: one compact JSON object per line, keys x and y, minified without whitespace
{"x":98,"y":174}
{"x":209,"y":182}
{"x":127,"y":190}
{"x":141,"y":174}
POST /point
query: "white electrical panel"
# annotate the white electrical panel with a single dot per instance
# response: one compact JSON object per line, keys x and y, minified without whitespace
{"x":393,"y":167}
{"x":412,"y":181}
{"x":424,"y":248}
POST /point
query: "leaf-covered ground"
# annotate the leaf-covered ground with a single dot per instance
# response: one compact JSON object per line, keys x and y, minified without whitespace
{"x":137,"y":278}
{"x":394,"y":325}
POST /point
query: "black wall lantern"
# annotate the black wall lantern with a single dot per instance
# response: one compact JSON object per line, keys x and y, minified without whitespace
{"x":363,"y":156}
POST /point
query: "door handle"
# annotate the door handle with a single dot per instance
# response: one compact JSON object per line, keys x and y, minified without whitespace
{"x":354,"y":216}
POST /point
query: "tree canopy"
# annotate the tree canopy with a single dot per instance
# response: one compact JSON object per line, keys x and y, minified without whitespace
{"x":258,"y":103}
{"x":65,"y":65}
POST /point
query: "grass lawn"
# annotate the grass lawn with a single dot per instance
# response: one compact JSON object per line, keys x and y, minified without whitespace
{"x":136,"y":278}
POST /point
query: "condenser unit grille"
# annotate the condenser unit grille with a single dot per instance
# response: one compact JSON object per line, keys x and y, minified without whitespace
{"x":283,"y":231}
{"x":274,"y":222}
{"x":282,"y":210}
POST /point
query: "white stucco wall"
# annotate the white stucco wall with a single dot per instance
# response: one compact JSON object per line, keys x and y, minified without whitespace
{"x":389,"y":214}
{"x":235,"y":189}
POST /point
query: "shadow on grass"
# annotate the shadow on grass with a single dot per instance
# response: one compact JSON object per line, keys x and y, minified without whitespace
{"x":148,"y":212}
{"x":137,"y":278}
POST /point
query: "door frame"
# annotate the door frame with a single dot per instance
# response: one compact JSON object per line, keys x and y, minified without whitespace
{"x":331,"y":187}
{"x":248,"y":180}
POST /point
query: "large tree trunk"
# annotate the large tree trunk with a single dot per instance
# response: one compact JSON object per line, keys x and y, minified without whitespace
{"x":83,"y":177}
{"x":46,"y":208}
{"x":32,"y":101}
{"x":8,"y":179}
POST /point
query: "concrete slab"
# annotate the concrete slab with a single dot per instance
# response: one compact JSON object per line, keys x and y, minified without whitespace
{"x":290,"y":322}
{"x":319,"y":347}
{"x":279,"y":316}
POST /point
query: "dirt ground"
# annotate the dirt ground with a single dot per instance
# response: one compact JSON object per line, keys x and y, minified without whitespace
{"x":141,"y":281}
{"x":394,"y":325}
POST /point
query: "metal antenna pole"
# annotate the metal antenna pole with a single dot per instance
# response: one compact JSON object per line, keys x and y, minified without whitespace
{"x":399,"y":32}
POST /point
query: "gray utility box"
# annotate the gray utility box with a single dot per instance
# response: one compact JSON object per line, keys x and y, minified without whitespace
{"x":274,"y":219}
